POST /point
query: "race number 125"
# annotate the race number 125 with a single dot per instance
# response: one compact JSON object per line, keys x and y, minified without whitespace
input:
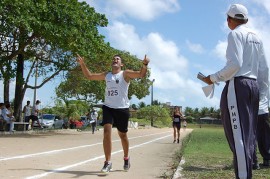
{"x":112,"y":92}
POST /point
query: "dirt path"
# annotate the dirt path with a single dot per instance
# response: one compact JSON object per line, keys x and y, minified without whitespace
{"x":72,"y":154}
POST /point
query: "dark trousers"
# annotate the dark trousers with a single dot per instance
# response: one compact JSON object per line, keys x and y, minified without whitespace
{"x":26,"y":119}
{"x":93,"y":126}
{"x":263,"y":136}
{"x":239,"y":113}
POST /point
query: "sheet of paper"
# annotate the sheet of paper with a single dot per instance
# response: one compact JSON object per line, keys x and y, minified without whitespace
{"x":209,"y":90}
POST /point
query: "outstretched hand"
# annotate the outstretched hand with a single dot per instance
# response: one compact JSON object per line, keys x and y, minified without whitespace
{"x":146,"y":60}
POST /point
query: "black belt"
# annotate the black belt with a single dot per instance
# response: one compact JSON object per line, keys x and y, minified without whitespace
{"x":244,"y":77}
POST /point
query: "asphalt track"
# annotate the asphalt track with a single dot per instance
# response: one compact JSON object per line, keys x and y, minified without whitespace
{"x":72,"y":154}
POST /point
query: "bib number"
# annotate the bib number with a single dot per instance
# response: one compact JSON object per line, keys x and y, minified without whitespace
{"x":113,"y":93}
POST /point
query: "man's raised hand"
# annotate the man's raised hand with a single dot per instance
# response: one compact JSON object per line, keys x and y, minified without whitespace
{"x":80,"y":60}
{"x":146,"y":60}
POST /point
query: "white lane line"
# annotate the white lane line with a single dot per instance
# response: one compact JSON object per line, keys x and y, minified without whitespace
{"x":67,"y":149}
{"x":48,"y":152}
{"x":90,"y":160}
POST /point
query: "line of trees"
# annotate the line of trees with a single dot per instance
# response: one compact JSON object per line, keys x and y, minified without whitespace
{"x":157,"y":113}
{"x":162,"y":112}
{"x":43,"y":37}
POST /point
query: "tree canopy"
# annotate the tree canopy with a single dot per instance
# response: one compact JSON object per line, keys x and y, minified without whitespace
{"x":48,"y":32}
{"x":155,"y":113}
{"x":43,"y":37}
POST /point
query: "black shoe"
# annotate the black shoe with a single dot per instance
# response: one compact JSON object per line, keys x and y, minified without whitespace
{"x":178,"y":141}
{"x":126,"y":164}
{"x":107,"y":167}
{"x":256,"y":166}
{"x":174,"y":141}
{"x":266,"y":163}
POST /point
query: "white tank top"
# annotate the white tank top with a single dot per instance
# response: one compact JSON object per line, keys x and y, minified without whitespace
{"x":116,"y":94}
{"x":27,"y":111}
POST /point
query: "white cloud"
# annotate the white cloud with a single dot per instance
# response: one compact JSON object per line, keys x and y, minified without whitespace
{"x":220,"y":50}
{"x":145,"y":10}
{"x":163,"y":79}
{"x":164,"y":54}
{"x":196,"y":48}
{"x":261,"y":25}
{"x":264,"y":3}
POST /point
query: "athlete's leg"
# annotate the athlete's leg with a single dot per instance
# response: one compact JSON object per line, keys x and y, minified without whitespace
{"x":174,"y":132}
{"x":107,"y":141}
{"x":125,"y":142}
{"x":178,"y":125}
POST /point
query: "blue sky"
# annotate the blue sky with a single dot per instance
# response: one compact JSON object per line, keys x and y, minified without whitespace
{"x":180,"y":37}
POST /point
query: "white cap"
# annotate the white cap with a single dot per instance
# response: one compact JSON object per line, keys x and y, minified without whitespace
{"x":238,"y":11}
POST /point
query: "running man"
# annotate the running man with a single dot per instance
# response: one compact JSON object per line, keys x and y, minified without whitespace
{"x":116,"y":106}
{"x":93,"y":116}
{"x":240,"y":97}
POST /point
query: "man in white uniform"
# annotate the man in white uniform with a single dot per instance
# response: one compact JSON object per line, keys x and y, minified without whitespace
{"x":116,"y":105}
{"x":240,"y":97}
{"x":27,"y":113}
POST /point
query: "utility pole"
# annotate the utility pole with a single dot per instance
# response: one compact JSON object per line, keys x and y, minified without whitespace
{"x":35,"y":90}
{"x":152,"y":90}
{"x":152,"y":100}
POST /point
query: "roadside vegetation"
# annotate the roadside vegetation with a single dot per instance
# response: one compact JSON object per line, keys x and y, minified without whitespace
{"x":207,"y":155}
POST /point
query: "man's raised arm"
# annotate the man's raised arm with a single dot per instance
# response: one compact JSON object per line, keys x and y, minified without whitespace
{"x":138,"y":74}
{"x":87,"y":73}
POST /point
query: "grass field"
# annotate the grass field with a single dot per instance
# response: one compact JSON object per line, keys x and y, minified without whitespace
{"x":207,"y":156}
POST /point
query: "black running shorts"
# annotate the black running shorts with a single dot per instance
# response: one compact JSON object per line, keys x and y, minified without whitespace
{"x":177,"y":125}
{"x":33,"y":117}
{"x":117,"y":117}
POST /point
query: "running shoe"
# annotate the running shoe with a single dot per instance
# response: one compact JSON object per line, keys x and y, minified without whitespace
{"x":256,"y":166}
{"x":126,"y":164}
{"x":266,"y":163}
{"x":107,"y":167}
{"x":178,"y":141}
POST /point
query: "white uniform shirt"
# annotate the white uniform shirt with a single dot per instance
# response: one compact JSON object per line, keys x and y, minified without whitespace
{"x":116,"y":94}
{"x":264,"y":89}
{"x":244,"y":53}
{"x":34,"y":110}
{"x":245,"y":57}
